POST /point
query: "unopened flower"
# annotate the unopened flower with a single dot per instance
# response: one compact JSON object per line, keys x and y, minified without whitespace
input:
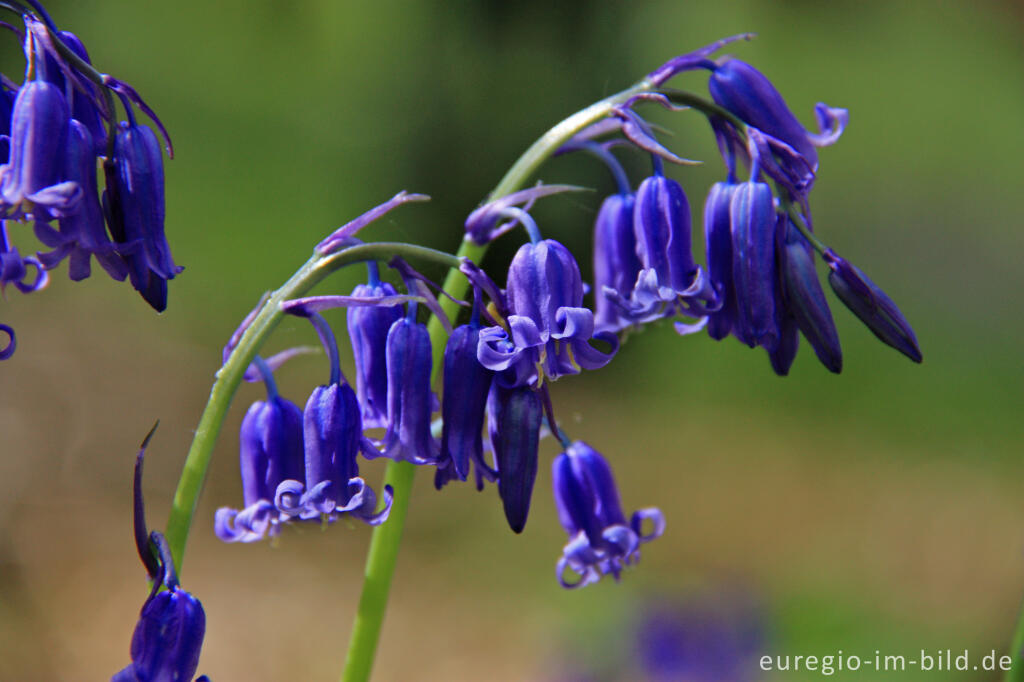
{"x":368,"y":328}
{"x":514,"y":418}
{"x":410,"y":400}
{"x":601,"y":542}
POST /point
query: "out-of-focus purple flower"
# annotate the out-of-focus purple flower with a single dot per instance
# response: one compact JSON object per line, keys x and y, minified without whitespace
{"x":82,"y":232}
{"x":601,"y":542}
{"x":700,"y":640}
{"x":752,"y":224}
{"x":6,"y":109}
{"x":874,"y":308}
{"x":548,"y":327}
{"x":410,"y":401}
{"x":466,"y":386}
{"x":270,"y":452}
{"x":134,"y":202}
{"x":31,"y":182}
{"x":169,"y":635}
{"x":615,"y":263}
{"x":368,"y":328}
{"x":514,"y":418}
{"x":12,"y":342}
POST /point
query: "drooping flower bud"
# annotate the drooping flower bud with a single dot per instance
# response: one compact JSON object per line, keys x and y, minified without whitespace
{"x":167,"y":640}
{"x":753,"y":224}
{"x":514,"y":418}
{"x":805,"y":300}
{"x":874,"y":308}
{"x":409,"y":397}
{"x":600,"y":540}
{"x":718,"y":247}
{"x":466,"y":385}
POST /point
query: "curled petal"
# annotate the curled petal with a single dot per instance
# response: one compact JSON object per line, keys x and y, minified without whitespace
{"x":41,"y":280}
{"x":588,"y":357}
{"x":686,"y":328}
{"x":288,"y":497}
{"x":582,"y":559}
{"x":343,"y":233}
{"x":652,"y":514}
{"x":8,"y":350}
{"x":248,"y":525}
{"x":832,"y":121}
{"x":573,"y":323}
{"x":366,"y":512}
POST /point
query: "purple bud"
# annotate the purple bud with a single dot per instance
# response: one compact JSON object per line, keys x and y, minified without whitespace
{"x":615,"y":263}
{"x":718,"y":246}
{"x":752,"y":224}
{"x":368,"y":328}
{"x":661,"y":221}
{"x":600,"y":539}
{"x":466,"y":385}
{"x":167,"y":640}
{"x":784,"y":354}
{"x":514,"y":418}
{"x":805,"y":300}
{"x":409,"y":397}
{"x":872,"y":306}
{"x":747,"y":93}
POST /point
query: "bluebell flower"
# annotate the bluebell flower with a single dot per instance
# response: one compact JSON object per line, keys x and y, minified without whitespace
{"x":410,"y":400}
{"x":30,"y":182}
{"x":368,"y":328}
{"x":616,"y":265}
{"x":514,"y":417}
{"x":6,"y":109}
{"x":169,"y":635}
{"x":466,"y":386}
{"x":332,"y":437}
{"x":752,"y":223}
{"x":874,"y":308}
{"x":270,"y":452}
{"x":601,"y":542}
{"x":82,"y":233}
{"x":82,"y":94}
{"x":718,"y":249}
{"x":134,"y":202}
{"x":549,"y":330}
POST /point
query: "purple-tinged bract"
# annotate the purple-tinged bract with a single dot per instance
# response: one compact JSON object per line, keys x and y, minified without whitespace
{"x":601,"y":542}
{"x":514,"y":418}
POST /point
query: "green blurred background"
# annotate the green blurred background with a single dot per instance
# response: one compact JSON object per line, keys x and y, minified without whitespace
{"x":880,"y":509}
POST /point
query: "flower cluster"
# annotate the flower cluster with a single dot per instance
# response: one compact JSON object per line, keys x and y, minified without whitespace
{"x":760,"y":285}
{"x":57,"y":128}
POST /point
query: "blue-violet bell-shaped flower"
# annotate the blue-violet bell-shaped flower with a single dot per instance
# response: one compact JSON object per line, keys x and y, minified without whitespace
{"x":874,"y":308}
{"x":463,"y":404}
{"x":332,"y":428}
{"x":616,"y":265}
{"x":82,"y":231}
{"x":600,"y":539}
{"x":549,"y":330}
{"x":753,"y":225}
{"x":134,"y":200}
{"x":31,"y":182}
{"x":410,"y":400}
{"x":718,"y":247}
{"x":270,"y":452}
{"x":514,"y":417}
{"x":368,"y":328}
